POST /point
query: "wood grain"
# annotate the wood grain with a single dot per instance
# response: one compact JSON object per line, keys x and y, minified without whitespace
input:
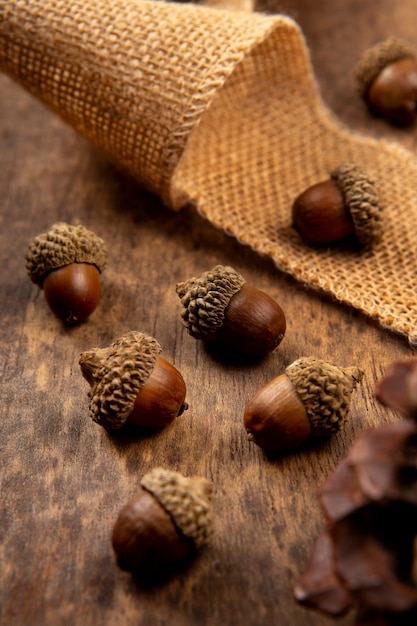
{"x":63,"y":478}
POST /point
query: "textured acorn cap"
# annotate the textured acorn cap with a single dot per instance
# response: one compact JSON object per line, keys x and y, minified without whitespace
{"x":186,"y":499}
{"x":375,"y":59}
{"x":205,"y":300}
{"x":62,"y":245}
{"x":361,"y":200}
{"x":325,"y":390}
{"x":116,"y":375}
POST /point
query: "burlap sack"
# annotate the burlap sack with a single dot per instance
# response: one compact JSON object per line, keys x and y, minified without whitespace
{"x":220,"y":109}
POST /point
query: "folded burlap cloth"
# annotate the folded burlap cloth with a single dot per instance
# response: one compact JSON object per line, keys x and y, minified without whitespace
{"x":221,"y":109}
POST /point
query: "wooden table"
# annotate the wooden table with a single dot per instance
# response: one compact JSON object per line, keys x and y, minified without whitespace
{"x":63,"y":477}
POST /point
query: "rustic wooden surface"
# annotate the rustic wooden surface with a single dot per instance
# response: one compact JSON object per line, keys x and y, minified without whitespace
{"x":63,"y":478}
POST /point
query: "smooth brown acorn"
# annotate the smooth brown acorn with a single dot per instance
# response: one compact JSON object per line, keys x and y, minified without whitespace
{"x":163,"y":524}
{"x":132,"y":384}
{"x":345,"y":205}
{"x":310,"y":399}
{"x":386,"y":77}
{"x":221,"y":307}
{"x":66,"y":262}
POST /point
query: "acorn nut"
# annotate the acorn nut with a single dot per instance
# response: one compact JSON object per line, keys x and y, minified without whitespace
{"x":310,"y":399}
{"x":386,"y":77}
{"x":163,"y":524}
{"x":345,"y":205}
{"x":131,"y":383}
{"x":66,"y":262}
{"x":221,"y":307}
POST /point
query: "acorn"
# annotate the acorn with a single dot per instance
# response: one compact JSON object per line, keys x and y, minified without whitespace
{"x":221,"y":308}
{"x":164,"y":524}
{"x":66,"y":262}
{"x":386,"y":77}
{"x":344,"y":206}
{"x":310,"y":399}
{"x":132,"y":384}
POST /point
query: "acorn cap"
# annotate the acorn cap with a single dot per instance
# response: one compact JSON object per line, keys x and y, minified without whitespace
{"x":205,"y":300}
{"x":116,"y":375}
{"x":325,"y":391}
{"x":373,"y":60}
{"x":186,"y":499}
{"x":361,"y":200}
{"x":62,"y":245}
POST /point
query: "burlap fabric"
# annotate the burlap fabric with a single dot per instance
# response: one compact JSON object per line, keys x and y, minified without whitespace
{"x":220,"y":109}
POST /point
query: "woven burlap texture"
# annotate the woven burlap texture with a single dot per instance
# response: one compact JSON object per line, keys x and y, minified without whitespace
{"x":221,"y":109}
